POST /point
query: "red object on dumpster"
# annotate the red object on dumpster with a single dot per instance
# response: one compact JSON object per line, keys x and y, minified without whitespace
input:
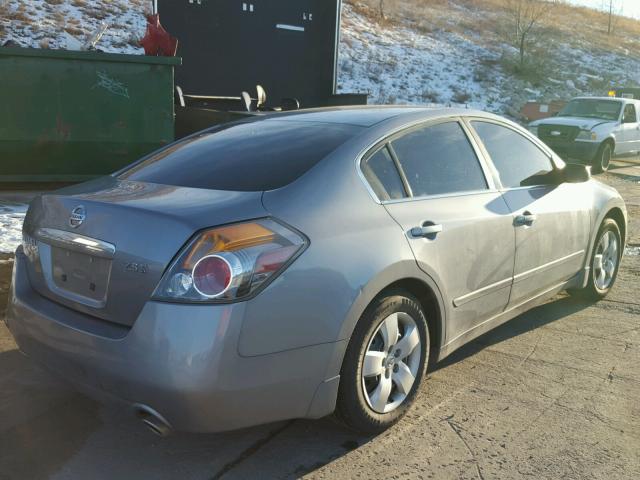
{"x":156,"y":40}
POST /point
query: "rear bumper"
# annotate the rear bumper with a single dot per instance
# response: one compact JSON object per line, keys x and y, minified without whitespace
{"x":180,"y":360}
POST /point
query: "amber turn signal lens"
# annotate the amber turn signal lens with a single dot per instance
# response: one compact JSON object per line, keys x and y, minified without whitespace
{"x":228,"y":239}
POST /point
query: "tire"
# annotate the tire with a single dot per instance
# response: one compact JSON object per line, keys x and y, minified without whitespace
{"x":361,"y":404}
{"x":603,"y":158}
{"x":598,"y":286}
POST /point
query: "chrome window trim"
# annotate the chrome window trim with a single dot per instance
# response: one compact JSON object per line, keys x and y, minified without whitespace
{"x":440,"y":195}
{"x":384,"y":141}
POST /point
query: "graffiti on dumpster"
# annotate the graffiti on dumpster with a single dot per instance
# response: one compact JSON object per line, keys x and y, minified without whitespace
{"x":111,"y":85}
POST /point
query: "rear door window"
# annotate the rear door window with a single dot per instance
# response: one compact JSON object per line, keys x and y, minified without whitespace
{"x":438,"y":159}
{"x":518,"y":160}
{"x":252,"y":156}
{"x":382,"y":175}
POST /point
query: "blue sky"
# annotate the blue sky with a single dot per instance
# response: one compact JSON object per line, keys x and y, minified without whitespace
{"x":630,"y":8}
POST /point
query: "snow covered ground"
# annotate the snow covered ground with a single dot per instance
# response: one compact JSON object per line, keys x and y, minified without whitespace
{"x":11,"y":218}
{"x":61,"y":23}
{"x":401,"y":65}
{"x":444,"y":61}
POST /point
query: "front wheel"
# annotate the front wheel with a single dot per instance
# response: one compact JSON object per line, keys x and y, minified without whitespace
{"x":605,"y":261}
{"x":384,"y":364}
{"x":603,"y":158}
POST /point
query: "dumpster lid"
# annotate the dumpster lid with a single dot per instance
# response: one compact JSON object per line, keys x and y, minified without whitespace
{"x":88,"y":56}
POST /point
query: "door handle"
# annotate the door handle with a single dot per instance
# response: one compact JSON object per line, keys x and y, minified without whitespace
{"x":525,"y":219}
{"x":428,"y":229}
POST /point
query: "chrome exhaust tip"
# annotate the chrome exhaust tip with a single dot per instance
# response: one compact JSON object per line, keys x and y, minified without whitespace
{"x":152,"y":420}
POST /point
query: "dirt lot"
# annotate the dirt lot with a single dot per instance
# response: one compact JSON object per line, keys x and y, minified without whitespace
{"x":552,"y":394}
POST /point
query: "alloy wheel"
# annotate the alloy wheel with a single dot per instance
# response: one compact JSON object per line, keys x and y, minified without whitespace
{"x":391,"y":362}
{"x":605,"y":260}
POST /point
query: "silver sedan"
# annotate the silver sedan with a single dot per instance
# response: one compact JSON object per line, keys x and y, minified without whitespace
{"x":304,"y":263}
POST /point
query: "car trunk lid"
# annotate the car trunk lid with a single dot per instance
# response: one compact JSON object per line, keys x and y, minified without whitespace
{"x":101,"y":247}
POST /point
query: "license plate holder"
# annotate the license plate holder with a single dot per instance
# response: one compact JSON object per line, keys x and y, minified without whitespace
{"x":80,"y":274}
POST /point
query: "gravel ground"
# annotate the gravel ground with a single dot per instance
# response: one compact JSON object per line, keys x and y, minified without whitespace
{"x":551,"y":394}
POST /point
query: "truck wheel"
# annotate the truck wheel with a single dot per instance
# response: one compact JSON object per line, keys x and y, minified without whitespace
{"x":603,"y":158}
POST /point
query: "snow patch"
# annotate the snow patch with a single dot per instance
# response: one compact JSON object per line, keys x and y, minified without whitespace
{"x":61,"y":25}
{"x":415,"y":62}
{"x":11,"y":219}
{"x":399,"y":65}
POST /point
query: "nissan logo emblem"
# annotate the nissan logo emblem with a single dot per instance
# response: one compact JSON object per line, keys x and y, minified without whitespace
{"x":78,"y":215}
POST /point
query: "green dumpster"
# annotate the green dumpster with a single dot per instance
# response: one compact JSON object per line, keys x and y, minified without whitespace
{"x":70,"y":116}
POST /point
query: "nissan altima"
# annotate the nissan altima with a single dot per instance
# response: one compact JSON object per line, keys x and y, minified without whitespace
{"x":300,"y":264}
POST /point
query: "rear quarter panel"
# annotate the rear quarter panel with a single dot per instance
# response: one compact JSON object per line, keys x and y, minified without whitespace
{"x":356,"y":250}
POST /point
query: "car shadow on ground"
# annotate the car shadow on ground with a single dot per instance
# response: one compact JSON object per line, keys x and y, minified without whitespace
{"x":556,"y":309}
{"x":47,"y":430}
{"x":625,"y":168}
{"x":42,"y":423}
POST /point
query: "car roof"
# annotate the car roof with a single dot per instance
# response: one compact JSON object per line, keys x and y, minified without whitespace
{"x":368,"y":116}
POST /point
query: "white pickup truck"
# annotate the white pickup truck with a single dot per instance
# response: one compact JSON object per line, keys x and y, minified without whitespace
{"x":592,"y":130}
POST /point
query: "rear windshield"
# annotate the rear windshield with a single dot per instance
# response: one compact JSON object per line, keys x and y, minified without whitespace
{"x":253,"y":156}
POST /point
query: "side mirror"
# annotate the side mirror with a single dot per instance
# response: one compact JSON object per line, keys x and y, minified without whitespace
{"x":576,"y":173}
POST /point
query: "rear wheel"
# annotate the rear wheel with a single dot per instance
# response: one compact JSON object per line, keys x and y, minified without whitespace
{"x":384,"y":364}
{"x":603,"y":158}
{"x":605,"y":261}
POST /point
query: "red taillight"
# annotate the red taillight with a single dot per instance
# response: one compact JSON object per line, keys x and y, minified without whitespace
{"x":212,"y":276}
{"x":272,"y":261}
{"x":231,"y":262}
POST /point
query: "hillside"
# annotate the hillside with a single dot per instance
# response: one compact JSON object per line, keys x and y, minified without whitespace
{"x":455,"y":52}
{"x":425,"y":51}
{"x":57,"y":23}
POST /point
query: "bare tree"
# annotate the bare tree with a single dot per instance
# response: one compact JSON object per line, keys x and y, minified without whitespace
{"x":613,"y":8}
{"x":381,"y":9}
{"x":524,"y":17}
